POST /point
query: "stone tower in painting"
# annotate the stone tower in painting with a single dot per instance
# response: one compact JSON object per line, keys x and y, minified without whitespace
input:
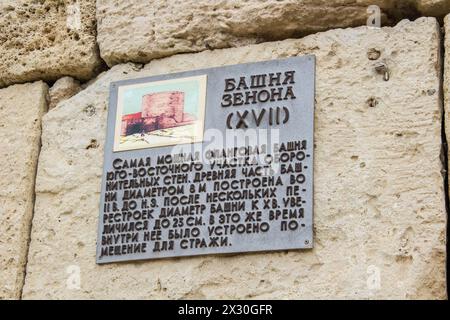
{"x":159,"y":111}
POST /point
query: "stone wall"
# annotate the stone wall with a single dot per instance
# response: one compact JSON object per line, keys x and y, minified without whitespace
{"x":164,"y":28}
{"x":371,"y":135}
{"x":21,"y":110}
{"x":47,"y":40}
{"x":380,"y":193}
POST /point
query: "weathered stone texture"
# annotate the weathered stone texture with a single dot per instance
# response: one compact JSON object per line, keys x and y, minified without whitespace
{"x":21,"y":109}
{"x":446,"y":84}
{"x":63,"y":89}
{"x":379,"y":192}
{"x":163,"y":28}
{"x":435,"y":8}
{"x":47,"y":39}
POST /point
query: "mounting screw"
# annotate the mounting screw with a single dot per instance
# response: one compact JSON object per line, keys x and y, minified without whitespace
{"x":382,"y":68}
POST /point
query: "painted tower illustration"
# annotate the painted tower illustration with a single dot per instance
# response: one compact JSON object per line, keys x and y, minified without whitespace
{"x":159,"y":111}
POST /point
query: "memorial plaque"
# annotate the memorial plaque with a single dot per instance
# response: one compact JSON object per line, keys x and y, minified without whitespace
{"x":210,"y":161}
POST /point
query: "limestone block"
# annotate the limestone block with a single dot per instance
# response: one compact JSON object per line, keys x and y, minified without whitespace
{"x":434,"y":8}
{"x":380,"y":220}
{"x":139,"y":31}
{"x":63,"y":89}
{"x":163,"y":28}
{"x":46,"y":40}
{"x":21,"y":109}
{"x":446,"y":85}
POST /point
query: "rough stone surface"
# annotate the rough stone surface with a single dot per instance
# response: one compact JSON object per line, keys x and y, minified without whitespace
{"x":63,"y":89}
{"x":379,"y":191}
{"x":46,"y":40}
{"x":164,"y":28}
{"x":446,"y":84}
{"x":435,"y":8}
{"x":21,"y":110}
